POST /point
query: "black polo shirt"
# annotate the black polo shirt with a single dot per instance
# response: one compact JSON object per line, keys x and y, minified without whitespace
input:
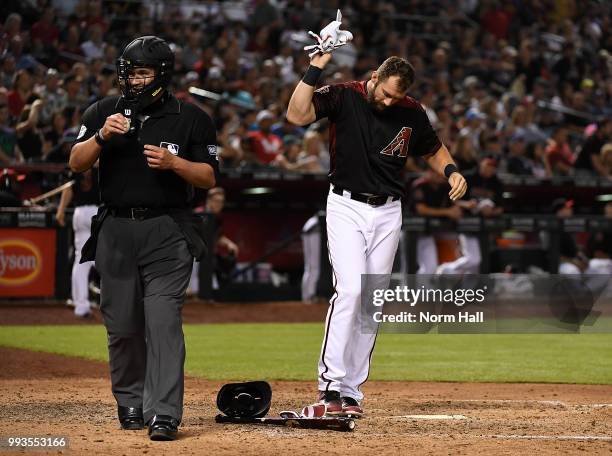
{"x":368,"y":148}
{"x":480,"y":188}
{"x":125,"y":178}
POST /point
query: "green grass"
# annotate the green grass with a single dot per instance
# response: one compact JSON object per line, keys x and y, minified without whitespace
{"x":290,"y":352}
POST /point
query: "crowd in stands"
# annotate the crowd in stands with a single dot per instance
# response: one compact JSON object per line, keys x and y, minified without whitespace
{"x":527,"y":82}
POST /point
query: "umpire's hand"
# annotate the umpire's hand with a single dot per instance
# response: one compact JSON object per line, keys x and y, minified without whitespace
{"x":458,"y":186}
{"x":115,"y":124}
{"x":159,"y":157}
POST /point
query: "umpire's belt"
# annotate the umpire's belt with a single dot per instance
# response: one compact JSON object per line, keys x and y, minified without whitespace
{"x":372,"y":200}
{"x":137,"y":213}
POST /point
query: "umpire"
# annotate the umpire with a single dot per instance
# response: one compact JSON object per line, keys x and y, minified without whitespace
{"x":153,"y":149}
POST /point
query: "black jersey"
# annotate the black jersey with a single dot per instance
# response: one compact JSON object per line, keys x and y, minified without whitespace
{"x":480,"y":188}
{"x":85,"y":189}
{"x":125,"y":178}
{"x":369,"y":148}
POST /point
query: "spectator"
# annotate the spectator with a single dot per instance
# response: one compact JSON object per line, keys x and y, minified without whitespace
{"x":21,"y":92}
{"x":606,"y":160}
{"x":29,"y":137}
{"x":464,"y":154}
{"x":518,"y":162}
{"x":54,"y":96}
{"x":288,"y":160}
{"x":8,"y":68}
{"x":44,"y":33}
{"x":54,"y":133}
{"x":73,"y":85}
{"x":535,"y":153}
{"x":60,"y":153}
{"x":70,"y":49}
{"x":559,"y":157}
{"x":93,"y":48}
{"x":105,"y":81}
{"x":265,"y":143}
{"x":12,"y":27}
{"x":589,"y":157}
{"x":9,"y":152}
{"x":473,"y":126}
{"x":284,"y":128}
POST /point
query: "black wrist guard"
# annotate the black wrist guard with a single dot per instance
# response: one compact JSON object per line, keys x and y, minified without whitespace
{"x":312,"y":75}
{"x":450,"y":169}
{"x":98,"y":137}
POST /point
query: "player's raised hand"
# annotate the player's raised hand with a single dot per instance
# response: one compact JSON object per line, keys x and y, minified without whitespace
{"x":320,"y":60}
{"x":330,"y":38}
{"x":458,"y":186}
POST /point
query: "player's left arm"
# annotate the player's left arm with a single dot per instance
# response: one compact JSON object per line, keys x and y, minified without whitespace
{"x":438,"y":161}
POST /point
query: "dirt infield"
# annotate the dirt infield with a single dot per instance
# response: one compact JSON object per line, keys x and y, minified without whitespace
{"x":44,"y":394}
{"x":193,"y":312}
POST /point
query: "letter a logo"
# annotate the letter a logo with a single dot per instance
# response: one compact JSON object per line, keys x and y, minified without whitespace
{"x":399,"y":145}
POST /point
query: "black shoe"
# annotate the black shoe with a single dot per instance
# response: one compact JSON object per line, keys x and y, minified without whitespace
{"x":130,"y":418}
{"x":163,"y":427}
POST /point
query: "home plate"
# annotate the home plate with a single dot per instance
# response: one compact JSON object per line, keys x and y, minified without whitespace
{"x":433,"y":417}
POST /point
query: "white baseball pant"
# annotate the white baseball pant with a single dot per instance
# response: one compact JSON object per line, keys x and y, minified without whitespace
{"x":311,"y":244}
{"x":362,"y":239}
{"x":468,"y":262}
{"x":81,"y":224}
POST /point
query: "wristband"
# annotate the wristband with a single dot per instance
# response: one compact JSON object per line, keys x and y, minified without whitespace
{"x":312,"y":75}
{"x":450,"y":169}
{"x":100,"y":139}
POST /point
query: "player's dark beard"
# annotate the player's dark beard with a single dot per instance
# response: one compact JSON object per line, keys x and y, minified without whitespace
{"x":376,"y":105}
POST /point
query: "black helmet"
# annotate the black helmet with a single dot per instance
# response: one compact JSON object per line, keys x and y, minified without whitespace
{"x":146,"y":51}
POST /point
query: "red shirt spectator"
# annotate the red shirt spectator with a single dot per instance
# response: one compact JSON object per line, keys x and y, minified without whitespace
{"x":267,"y":145}
{"x":497,"y":21}
{"x":45,"y":30}
{"x":559,"y":156}
{"x":22,"y":89}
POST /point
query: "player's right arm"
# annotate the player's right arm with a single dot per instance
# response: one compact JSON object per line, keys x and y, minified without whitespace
{"x":86,"y":150}
{"x":301,"y":110}
{"x":65,"y":200}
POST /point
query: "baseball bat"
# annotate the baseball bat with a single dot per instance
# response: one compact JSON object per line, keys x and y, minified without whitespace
{"x":51,"y":193}
{"x":216,"y":97}
{"x":330,"y":424}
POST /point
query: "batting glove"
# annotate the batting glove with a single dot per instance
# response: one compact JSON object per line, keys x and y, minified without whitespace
{"x":330,"y":38}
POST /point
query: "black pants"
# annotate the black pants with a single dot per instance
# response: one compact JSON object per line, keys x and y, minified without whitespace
{"x":144,"y":268}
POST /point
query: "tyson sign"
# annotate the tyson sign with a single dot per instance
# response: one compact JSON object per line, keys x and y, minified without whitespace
{"x":20,"y":262}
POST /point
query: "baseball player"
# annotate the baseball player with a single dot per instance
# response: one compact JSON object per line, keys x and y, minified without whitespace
{"x":85,"y":195}
{"x":311,"y":245}
{"x":484,"y":198}
{"x":374,"y":127}
{"x":430,"y":199}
